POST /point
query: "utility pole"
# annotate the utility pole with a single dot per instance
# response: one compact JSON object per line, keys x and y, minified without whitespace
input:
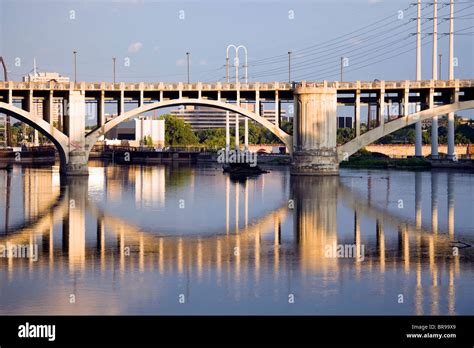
{"x":451,"y":77}
{"x":418,"y":130}
{"x":434,"y":68}
{"x":75,"y":66}
{"x":113,"y":59}
{"x":440,"y":56}
{"x":289,"y":66}
{"x":435,"y":41}
{"x":187,"y":59}
{"x":451,"y":41}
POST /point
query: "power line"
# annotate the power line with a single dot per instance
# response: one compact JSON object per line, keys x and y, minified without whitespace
{"x":372,"y":62}
{"x":337,"y":53}
{"x":324,"y":43}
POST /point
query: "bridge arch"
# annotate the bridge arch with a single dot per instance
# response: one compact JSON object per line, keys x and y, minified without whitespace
{"x":58,"y":138}
{"x":351,"y":147}
{"x":94,"y":135}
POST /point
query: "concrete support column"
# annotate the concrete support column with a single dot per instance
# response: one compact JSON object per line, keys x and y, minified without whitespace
{"x":48,"y":108}
{"x":30,"y":104}
{"x":434,"y":127}
{"x":451,"y":145}
{"x":161,"y":96}
{"x":418,"y":135}
{"x":406,"y":102}
{"x":75,"y":125}
{"x":227,"y":126}
{"x":277,"y":110}
{"x":382,"y":107}
{"x":227,"y":130}
{"x":8,"y":139}
{"x":357,"y":113}
{"x":314,"y":131}
{"x":10,"y":96}
{"x":35,"y":137}
{"x":121,"y":102}
{"x":101,"y":109}
{"x":27,"y":105}
{"x":237,"y":122}
{"x":246,"y":135}
{"x":257,"y":103}
{"x":140,"y":98}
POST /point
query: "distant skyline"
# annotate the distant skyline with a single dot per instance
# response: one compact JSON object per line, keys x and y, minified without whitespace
{"x":150,"y":39}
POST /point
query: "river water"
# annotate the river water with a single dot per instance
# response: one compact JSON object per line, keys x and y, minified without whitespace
{"x":169,"y":239}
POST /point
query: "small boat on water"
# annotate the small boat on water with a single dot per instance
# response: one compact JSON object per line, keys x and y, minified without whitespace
{"x":242,"y":169}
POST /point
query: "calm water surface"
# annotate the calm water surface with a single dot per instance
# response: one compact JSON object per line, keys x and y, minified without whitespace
{"x":191,"y":240}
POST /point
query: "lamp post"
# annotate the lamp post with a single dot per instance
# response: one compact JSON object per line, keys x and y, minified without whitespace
{"x":75,"y":66}
{"x":237,"y":49}
{"x":113,"y":59}
{"x":187,"y":59}
{"x":236,"y":64}
{"x":289,"y":66}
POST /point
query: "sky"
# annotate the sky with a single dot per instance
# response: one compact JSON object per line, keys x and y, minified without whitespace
{"x":150,"y":39}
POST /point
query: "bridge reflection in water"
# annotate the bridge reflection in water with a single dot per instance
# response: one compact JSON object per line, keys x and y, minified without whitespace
{"x":114,"y":263}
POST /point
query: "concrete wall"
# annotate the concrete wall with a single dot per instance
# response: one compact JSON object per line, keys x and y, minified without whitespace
{"x":403,"y":150}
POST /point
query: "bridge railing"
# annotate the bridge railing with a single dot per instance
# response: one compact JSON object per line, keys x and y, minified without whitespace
{"x":107,"y":86}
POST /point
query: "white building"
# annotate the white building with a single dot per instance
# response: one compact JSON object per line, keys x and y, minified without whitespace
{"x":45,"y":77}
{"x":148,"y":127}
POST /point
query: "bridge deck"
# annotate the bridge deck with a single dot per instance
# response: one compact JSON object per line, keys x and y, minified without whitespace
{"x":271,"y":86}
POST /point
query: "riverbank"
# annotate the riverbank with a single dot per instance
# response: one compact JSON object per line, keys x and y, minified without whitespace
{"x":386,"y":163}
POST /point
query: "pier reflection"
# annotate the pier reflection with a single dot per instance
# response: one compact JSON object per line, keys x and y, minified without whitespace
{"x":294,"y":247}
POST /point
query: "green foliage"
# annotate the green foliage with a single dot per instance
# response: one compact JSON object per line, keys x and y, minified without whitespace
{"x":148,"y":141}
{"x":344,"y":135}
{"x":178,"y":132}
{"x":215,"y":138}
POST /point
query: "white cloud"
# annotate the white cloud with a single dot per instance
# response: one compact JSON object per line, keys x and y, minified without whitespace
{"x":135,"y":47}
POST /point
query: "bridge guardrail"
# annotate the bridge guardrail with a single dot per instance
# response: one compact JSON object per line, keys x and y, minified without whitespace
{"x":54,"y":85}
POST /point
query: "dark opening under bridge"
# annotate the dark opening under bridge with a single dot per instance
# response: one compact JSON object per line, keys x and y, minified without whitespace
{"x":313,"y":142}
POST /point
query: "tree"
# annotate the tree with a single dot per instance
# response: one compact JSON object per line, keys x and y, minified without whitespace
{"x":344,"y":135}
{"x":148,"y":141}
{"x":178,"y":132}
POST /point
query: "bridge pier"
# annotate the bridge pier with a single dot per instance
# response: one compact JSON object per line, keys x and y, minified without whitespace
{"x":314,"y":131}
{"x":75,"y":162}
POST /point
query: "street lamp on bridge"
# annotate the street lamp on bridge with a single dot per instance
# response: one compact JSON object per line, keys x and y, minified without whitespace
{"x":75,"y":66}
{"x":187,"y":63}
{"x":113,"y":60}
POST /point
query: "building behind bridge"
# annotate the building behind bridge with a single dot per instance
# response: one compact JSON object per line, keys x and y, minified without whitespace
{"x":205,"y":117}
